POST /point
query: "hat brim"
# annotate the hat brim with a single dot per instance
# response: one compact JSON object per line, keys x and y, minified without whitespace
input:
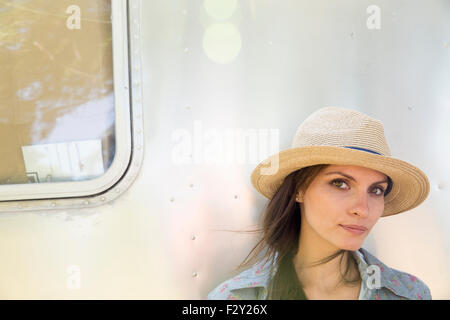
{"x":410,"y":185}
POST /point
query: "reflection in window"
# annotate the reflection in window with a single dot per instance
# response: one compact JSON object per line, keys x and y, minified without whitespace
{"x":56,"y":92}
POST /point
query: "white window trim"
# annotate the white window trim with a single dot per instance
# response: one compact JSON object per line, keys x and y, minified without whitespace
{"x":129,"y":144}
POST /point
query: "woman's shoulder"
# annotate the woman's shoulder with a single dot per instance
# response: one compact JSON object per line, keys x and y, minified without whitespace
{"x":400,"y":283}
{"x":250,"y":284}
{"x":227,"y":291}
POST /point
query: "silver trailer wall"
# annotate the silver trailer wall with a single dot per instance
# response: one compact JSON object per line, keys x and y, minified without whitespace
{"x":216,"y":87}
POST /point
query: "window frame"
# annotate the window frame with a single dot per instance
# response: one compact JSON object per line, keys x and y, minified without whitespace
{"x":126,"y":47}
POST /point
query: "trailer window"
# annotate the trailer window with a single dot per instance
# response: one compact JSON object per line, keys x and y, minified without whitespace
{"x":57,"y":115}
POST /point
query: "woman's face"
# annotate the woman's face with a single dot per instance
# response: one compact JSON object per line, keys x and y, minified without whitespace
{"x":341,"y":196}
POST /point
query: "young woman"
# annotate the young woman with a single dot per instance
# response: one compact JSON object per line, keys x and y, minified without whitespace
{"x":326,"y":194}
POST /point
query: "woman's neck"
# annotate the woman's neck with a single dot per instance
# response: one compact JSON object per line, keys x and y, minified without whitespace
{"x":324,"y":277}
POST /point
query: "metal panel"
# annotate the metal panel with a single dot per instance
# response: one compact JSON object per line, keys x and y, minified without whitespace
{"x":263,"y":65}
{"x":213,"y":78}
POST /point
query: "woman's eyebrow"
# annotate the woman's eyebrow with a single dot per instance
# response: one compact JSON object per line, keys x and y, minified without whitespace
{"x":351,"y":178}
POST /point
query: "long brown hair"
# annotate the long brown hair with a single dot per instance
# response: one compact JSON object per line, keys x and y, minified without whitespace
{"x":280,"y":233}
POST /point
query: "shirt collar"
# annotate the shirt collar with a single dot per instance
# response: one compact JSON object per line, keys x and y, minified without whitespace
{"x":389,"y":278}
{"x":262,"y":272}
{"x":257,"y":276}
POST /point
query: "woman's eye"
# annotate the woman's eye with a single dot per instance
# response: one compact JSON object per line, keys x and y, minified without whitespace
{"x":381,"y":191}
{"x":338,"y":183}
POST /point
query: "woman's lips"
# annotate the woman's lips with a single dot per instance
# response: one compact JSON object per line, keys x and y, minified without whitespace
{"x":354,"y":229}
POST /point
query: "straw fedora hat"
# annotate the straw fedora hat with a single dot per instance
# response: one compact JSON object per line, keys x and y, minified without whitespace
{"x":341,"y":136}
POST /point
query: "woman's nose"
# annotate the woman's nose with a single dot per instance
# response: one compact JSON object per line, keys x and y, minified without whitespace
{"x":361,"y":204}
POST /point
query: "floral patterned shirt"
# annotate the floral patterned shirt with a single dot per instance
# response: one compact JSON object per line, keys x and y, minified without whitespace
{"x":379,"y":282}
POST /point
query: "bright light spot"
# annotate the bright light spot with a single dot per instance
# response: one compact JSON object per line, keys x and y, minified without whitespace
{"x":220,"y":9}
{"x":222,"y":42}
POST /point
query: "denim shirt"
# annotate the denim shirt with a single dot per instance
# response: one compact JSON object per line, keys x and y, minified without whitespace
{"x":379,"y":282}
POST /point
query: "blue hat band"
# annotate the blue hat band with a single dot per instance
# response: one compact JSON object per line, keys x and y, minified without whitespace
{"x":362,"y":149}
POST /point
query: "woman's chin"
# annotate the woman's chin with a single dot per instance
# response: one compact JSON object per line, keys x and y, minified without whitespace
{"x":351,"y":246}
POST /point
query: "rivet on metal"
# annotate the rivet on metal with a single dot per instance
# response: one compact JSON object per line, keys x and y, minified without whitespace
{"x":172,"y":199}
{"x":194,"y":274}
{"x":193,"y":237}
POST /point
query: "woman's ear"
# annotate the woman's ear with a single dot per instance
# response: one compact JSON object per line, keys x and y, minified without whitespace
{"x":299,"y":196}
